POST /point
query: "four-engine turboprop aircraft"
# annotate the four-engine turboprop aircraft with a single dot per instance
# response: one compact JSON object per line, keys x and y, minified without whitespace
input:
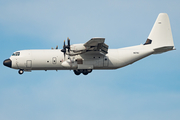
{"x":94,"y":54}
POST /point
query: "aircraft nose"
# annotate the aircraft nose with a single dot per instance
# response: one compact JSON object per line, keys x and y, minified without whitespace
{"x":7,"y":63}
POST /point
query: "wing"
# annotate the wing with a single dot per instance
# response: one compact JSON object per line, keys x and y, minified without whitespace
{"x":96,"y":44}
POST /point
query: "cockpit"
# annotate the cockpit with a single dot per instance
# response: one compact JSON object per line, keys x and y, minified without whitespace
{"x":16,"y":54}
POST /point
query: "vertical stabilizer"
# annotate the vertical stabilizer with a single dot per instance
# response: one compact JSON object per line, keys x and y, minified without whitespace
{"x":160,"y":37}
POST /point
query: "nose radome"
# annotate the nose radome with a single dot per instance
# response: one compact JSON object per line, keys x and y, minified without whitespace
{"x":7,"y":63}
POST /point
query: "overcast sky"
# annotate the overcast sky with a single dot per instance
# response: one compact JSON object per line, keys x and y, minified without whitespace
{"x":146,"y":90}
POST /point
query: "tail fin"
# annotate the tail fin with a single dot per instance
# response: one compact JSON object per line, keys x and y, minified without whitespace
{"x":160,"y":37}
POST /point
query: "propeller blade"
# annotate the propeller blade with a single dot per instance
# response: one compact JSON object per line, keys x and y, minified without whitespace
{"x":64,"y":49}
{"x":68,"y":41}
{"x":68,"y":46}
{"x":64,"y":54}
{"x":64,"y":45}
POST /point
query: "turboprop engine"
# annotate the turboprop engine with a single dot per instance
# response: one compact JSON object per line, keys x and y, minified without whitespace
{"x":78,"y":47}
{"x":74,"y":49}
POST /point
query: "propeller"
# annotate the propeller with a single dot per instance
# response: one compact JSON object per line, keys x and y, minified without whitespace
{"x":66,"y":46}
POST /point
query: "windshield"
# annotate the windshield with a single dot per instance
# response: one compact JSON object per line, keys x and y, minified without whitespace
{"x":16,"y":54}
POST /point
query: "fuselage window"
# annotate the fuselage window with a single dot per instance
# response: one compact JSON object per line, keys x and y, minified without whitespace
{"x":16,"y":54}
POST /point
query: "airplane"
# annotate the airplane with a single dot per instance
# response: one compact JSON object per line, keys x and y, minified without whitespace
{"x":94,"y":54}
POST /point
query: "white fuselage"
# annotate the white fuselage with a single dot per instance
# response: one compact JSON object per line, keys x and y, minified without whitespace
{"x":53,"y":59}
{"x":94,"y":54}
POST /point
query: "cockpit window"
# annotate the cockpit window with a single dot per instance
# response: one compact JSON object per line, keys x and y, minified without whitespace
{"x":16,"y":54}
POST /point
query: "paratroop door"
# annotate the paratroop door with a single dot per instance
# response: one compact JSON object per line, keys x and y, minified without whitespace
{"x":29,"y":63}
{"x":106,"y":61}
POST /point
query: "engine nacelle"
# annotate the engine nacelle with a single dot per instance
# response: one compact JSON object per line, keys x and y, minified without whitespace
{"x":78,"y":47}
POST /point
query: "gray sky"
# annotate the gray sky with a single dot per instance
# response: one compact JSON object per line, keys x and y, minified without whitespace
{"x":148,"y":89}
